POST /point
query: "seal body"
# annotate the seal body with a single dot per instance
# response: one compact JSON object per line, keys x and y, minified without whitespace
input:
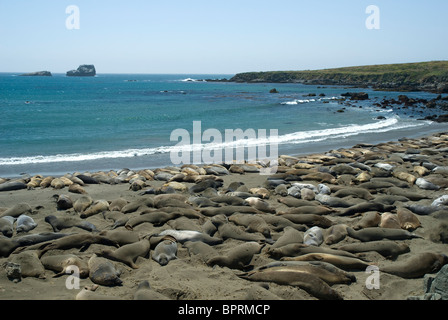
{"x":165,"y":251}
{"x":103,"y":272}
{"x":25,"y":223}
{"x":417,"y":266}
{"x":313,"y":236}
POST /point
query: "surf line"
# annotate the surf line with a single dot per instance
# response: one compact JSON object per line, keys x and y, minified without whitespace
{"x":234,"y":144}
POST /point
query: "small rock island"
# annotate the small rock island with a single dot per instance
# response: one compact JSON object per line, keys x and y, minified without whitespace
{"x":37,"y":74}
{"x":85,"y":70}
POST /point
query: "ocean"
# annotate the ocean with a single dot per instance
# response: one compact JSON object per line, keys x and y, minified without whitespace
{"x":57,"y":125}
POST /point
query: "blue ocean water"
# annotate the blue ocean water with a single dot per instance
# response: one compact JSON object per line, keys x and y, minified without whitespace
{"x":59,"y":124}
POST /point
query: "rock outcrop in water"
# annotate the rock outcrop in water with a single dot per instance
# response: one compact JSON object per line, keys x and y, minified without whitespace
{"x":85,"y":70}
{"x":37,"y":74}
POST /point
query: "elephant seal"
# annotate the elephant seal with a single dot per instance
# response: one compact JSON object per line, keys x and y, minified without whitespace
{"x":324,"y":270}
{"x":30,"y":264}
{"x":424,"y":210}
{"x":375,"y":233}
{"x":407,"y":219}
{"x":60,"y":223}
{"x":229,"y":200}
{"x":313,"y":236}
{"x":230,"y":231}
{"x":386,"y":248}
{"x":12,"y":186}
{"x":82,"y":203}
{"x":17,"y":210}
{"x":345,"y":263}
{"x":417,"y":266}
{"x":145,"y":292}
{"x":128,"y":253}
{"x":201,"y":249}
{"x":76,"y":188}
{"x":122,"y":237}
{"x":165,"y":251}
{"x":238,"y":257}
{"x":440,"y":201}
{"x":96,"y":207}
{"x":7,"y":226}
{"x":332,"y":201}
{"x":294,"y":203}
{"x":183,"y":236}
{"x":413,"y":196}
{"x":25,"y":223}
{"x":278,"y":223}
{"x":260,"y":204}
{"x":290,"y":235}
{"x":425,"y":184}
{"x":87,"y":179}
{"x":355,"y":192}
{"x":136,"y":204}
{"x":89,"y":294}
{"x":103,"y":272}
{"x":81,"y":241}
{"x":253,"y":223}
{"x":314,"y":210}
{"x":369,"y":219}
{"x":63,"y":202}
{"x":298,"y":249}
{"x":295,"y":277}
{"x":228,"y":210}
{"x":61,"y":263}
{"x":309,"y":220}
{"x":335,"y":233}
{"x":389,"y":220}
{"x":157,"y":218}
{"x":365,"y":207}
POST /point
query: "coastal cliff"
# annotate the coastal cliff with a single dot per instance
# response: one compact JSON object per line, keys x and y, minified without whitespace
{"x":85,"y":70}
{"x":423,"y":76}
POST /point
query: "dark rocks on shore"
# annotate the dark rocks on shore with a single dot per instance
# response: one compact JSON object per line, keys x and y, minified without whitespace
{"x":356,"y":95}
{"x":85,"y":70}
{"x":37,"y":74}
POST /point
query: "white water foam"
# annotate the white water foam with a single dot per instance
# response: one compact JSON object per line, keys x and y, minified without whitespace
{"x":300,"y":101}
{"x":299,"y":137}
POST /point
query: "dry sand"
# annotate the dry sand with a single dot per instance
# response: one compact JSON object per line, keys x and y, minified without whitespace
{"x":189,"y":278}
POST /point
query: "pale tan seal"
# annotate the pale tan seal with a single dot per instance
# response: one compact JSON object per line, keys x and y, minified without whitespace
{"x":290,"y":235}
{"x":60,"y":263}
{"x":417,"y":266}
{"x":389,"y":220}
{"x":253,"y":223}
{"x":369,"y":219}
{"x":343,"y":262}
{"x":128,"y":253}
{"x":295,"y":277}
{"x":387,"y":248}
{"x":238,"y":257}
{"x":96,"y":207}
{"x":335,"y":234}
{"x":408,"y":220}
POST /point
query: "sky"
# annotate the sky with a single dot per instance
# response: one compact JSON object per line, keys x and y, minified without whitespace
{"x":218,"y":37}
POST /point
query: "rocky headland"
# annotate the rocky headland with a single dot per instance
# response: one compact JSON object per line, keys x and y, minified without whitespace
{"x":422,"y":76}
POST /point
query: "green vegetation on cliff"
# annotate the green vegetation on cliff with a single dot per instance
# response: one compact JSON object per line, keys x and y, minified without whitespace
{"x":426,"y":76}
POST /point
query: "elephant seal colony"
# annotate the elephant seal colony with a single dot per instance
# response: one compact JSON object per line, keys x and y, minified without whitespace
{"x":312,"y":230}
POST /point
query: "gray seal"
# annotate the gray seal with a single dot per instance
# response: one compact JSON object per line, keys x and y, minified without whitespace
{"x":25,"y":223}
{"x":165,"y":251}
{"x":7,"y":226}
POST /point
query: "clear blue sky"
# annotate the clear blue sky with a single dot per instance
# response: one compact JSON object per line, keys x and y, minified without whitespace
{"x":221,"y":37}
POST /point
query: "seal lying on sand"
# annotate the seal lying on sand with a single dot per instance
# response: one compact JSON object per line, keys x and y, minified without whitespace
{"x":291,"y":276}
{"x":165,"y":251}
{"x":238,"y":257}
{"x":103,"y":272}
{"x":127,"y":254}
{"x":375,"y":233}
{"x":417,"y":266}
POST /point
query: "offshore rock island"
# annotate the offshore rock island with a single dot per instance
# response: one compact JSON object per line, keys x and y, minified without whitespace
{"x":422,"y":76}
{"x":37,"y":74}
{"x":85,"y":70}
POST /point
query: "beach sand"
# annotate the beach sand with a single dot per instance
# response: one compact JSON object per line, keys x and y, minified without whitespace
{"x":189,"y":278}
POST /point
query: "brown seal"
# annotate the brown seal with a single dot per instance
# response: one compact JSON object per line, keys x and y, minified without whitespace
{"x":128,"y":253}
{"x":417,"y":266}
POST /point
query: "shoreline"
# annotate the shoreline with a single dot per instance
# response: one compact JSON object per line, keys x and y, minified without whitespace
{"x":191,"y":277}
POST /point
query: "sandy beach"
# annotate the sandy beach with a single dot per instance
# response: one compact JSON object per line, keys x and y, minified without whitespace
{"x":379,"y":181}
